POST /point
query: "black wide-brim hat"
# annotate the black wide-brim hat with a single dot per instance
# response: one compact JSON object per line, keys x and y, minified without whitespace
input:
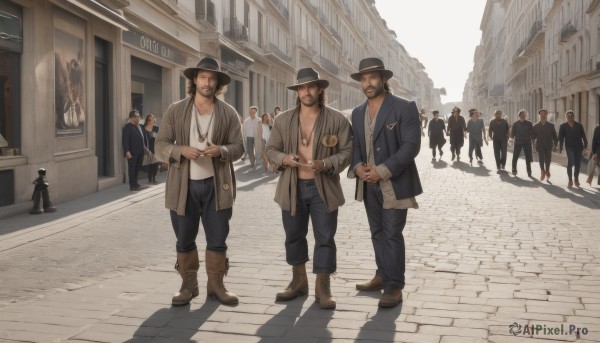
{"x":369,"y":65}
{"x":308,"y":75}
{"x":209,"y":64}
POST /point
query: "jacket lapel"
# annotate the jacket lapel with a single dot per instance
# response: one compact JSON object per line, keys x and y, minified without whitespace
{"x":384,"y":112}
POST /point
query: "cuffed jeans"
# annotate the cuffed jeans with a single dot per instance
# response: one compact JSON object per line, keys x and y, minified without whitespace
{"x":545,"y":157}
{"x":500,"y":146}
{"x":201,"y":204}
{"x":386,"y":235}
{"x":573,"y":160}
{"x":310,"y":204}
{"x":528,"y":156}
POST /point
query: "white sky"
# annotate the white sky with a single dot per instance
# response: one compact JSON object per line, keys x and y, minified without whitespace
{"x":442,"y":34}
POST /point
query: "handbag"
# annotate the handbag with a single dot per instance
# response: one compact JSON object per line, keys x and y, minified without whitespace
{"x":149,"y":157}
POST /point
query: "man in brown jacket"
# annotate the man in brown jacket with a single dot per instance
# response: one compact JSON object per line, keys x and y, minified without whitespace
{"x":310,"y":144}
{"x":200,"y":137}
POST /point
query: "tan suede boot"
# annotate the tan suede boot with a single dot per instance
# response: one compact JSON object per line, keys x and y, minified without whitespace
{"x":298,"y":286}
{"x":391,"y":297}
{"x":217,"y":265}
{"x":323,"y":291}
{"x":188,"y":265}
{"x":375,"y":284}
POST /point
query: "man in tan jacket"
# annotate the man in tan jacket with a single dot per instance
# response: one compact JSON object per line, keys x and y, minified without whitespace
{"x":310,"y":144}
{"x":200,"y":137}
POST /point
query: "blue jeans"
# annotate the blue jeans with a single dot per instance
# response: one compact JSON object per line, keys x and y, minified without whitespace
{"x":310,"y":204}
{"x":386,"y":235}
{"x":473,"y":145}
{"x":545,"y":156}
{"x":201,"y":204}
{"x":528,"y":156}
{"x":573,"y":160}
{"x":500,"y":147}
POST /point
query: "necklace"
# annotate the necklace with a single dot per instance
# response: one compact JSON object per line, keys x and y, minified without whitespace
{"x":202,"y":137}
{"x":303,"y":140}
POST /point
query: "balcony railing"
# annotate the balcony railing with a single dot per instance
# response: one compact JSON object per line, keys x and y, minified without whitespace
{"x":329,"y":65}
{"x":311,"y":7}
{"x":281,"y":8}
{"x":235,"y":30}
{"x":205,"y":11}
{"x":535,"y":29}
{"x":567,"y":31}
{"x":277,"y":52}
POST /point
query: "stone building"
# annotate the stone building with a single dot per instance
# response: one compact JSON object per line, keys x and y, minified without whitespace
{"x":548,"y":52}
{"x":71,"y":71}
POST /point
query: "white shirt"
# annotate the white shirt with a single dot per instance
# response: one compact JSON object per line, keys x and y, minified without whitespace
{"x":250,"y":127}
{"x":202,"y":167}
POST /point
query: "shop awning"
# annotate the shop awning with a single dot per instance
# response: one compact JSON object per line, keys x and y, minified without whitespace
{"x":108,"y":15}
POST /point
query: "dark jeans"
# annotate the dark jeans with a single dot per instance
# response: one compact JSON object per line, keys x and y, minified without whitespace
{"x":528,"y":156}
{"x":134,"y":164}
{"x":201,"y":204}
{"x":386,"y":235}
{"x":473,"y":145}
{"x":455,"y":150}
{"x":152,"y":171}
{"x":545,"y":156}
{"x":573,"y":160}
{"x":310,"y":204}
{"x":500,"y":146}
{"x":439,"y":147}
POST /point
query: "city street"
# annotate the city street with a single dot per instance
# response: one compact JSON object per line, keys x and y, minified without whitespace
{"x":489,"y":255}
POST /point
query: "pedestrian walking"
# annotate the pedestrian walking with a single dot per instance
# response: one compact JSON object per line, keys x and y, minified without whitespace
{"x":594,"y":161}
{"x":456,"y":131}
{"x":571,"y":136}
{"x":252,"y":133}
{"x":134,"y":139}
{"x":546,"y":141}
{"x":476,"y":130}
{"x":498,"y":133}
{"x":151,"y":132}
{"x":266,"y":123}
{"x":201,"y":137}
{"x":521,"y":132}
{"x":436,"y":131}
{"x":386,"y":140}
{"x":310,"y":144}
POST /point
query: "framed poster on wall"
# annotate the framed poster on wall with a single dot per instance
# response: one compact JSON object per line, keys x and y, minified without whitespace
{"x":69,"y":74}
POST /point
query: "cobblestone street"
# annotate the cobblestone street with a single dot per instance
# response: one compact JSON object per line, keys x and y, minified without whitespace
{"x":485,"y":251}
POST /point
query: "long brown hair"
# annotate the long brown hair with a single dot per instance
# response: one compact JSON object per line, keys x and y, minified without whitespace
{"x":192,"y":85}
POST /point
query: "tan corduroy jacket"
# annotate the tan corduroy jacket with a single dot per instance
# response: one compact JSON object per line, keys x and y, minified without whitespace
{"x":174,"y":134}
{"x":284,"y":140}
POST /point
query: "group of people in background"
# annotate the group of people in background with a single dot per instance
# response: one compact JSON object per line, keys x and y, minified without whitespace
{"x":524,"y":135}
{"x":135,"y":139}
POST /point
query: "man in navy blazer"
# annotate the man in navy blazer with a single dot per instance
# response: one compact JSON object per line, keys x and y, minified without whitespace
{"x":386,"y":139}
{"x":134,"y":139}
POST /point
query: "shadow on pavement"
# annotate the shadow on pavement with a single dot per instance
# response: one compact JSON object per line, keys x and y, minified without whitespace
{"x":174,"y":322}
{"x":285,"y":318}
{"x":312,"y":324}
{"x":475,"y":169}
{"x":382,"y":326}
{"x":439,"y":164}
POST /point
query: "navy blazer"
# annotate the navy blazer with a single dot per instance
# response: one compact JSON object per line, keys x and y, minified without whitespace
{"x":133,"y":140}
{"x":396,"y":142}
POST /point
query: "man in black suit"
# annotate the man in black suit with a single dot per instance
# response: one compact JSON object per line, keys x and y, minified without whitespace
{"x":134,"y":141}
{"x":387,"y":138}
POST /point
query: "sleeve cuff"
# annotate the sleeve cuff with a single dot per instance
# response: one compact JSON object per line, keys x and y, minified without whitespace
{"x":384,"y":172}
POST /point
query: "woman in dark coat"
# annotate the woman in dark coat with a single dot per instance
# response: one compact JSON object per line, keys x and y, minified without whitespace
{"x":151,"y":131}
{"x":436,"y":131}
{"x":456,"y":130}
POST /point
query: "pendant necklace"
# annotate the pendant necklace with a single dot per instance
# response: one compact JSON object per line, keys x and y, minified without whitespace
{"x":303,"y":140}
{"x":203,"y":137}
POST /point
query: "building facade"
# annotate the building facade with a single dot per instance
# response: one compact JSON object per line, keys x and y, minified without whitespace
{"x":72,"y":70}
{"x":548,"y":52}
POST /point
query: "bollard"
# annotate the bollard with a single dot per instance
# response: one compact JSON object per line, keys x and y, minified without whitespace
{"x":41,"y":196}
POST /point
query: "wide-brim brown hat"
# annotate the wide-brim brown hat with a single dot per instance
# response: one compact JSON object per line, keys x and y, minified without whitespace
{"x":455,"y":108}
{"x":209,"y":64}
{"x":371,"y":64}
{"x":308,"y":75}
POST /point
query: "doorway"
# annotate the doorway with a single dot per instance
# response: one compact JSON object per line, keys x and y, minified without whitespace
{"x":103,"y":122}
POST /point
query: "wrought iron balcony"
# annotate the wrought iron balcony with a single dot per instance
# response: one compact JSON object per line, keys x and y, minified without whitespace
{"x":205,"y":11}
{"x":277,"y":52}
{"x":281,"y":8}
{"x":567,"y":31}
{"x":329,"y":65}
{"x":235,"y":30}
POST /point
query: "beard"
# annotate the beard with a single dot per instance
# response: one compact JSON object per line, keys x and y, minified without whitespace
{"x":207,"y":92}
{"x":373,"y":92}
{"x":309,"y":101}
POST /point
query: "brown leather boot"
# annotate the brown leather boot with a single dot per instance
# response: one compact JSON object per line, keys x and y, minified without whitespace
{"x":376,"y":284}
{"x":217,"y":265}
{"x":188,"y":265}
{"x":298,"y":285}
{"x":323,"y":291}
{"x":391,"y":297}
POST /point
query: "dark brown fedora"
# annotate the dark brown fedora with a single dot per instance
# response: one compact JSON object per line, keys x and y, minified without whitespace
{"x":371,"y":64}
{"x":210,"y":64}
{"x":308,"y":75}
